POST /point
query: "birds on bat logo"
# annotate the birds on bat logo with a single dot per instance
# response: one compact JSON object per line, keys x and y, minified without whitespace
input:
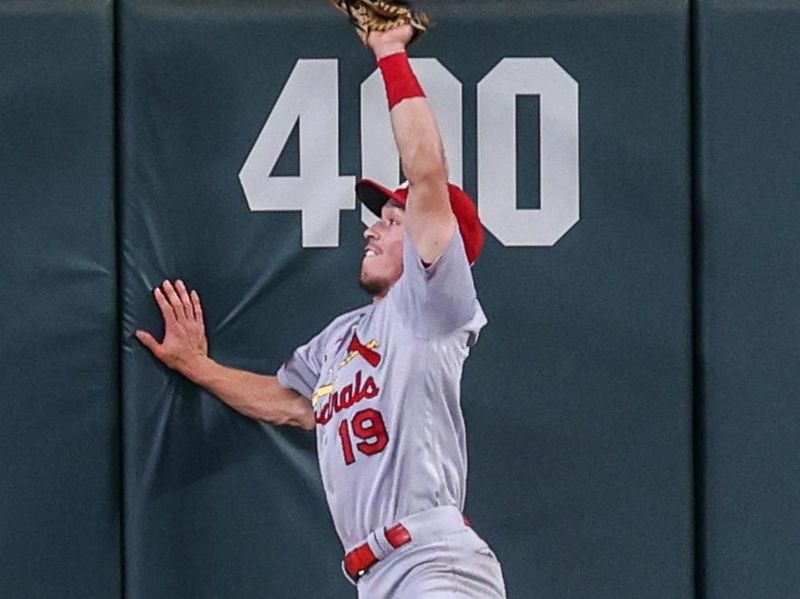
{"x":367,"y":351}
{"x":355,"y":349}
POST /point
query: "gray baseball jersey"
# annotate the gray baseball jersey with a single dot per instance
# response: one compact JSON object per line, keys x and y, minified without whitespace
{"x":385,"y":381}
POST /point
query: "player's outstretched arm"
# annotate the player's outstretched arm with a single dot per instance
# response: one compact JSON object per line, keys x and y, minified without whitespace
{"x":185,"y":350}
{"x":429,"y":218}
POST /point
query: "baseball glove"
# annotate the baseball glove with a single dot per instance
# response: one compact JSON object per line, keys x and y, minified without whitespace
{"x":382,"y":15}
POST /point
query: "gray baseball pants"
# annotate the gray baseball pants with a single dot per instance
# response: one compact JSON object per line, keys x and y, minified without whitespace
{"x":445,"y":559}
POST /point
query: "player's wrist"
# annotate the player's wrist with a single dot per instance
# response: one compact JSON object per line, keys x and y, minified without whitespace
{"x":384,"y":49}
{"x":399,"y":79}
{"x":198,"y":368}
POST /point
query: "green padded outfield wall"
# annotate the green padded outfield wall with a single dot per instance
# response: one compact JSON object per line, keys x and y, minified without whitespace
{"x":748,"y":96}
{"x":59,"y":431}
{"x":577,"y":398}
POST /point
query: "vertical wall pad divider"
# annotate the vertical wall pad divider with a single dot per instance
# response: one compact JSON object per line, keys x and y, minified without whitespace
{"x":749,"y":94}
{"x":59,"y":433}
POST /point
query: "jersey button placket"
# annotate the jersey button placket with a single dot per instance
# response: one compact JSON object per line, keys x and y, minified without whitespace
{"x":333,"y":388}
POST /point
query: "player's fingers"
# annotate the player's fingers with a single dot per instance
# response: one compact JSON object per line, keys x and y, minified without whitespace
{"x":198,"y":308}
{"x":148,"y":341}
{"x":166,"y":309}
{"x":186,"y":303}
{"x":174,"y":300}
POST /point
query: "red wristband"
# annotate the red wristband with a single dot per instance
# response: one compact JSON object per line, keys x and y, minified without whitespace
{"x":399,"y":79}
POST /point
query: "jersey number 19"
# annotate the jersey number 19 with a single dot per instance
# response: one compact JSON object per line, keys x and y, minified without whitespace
{"x":368,"y":426}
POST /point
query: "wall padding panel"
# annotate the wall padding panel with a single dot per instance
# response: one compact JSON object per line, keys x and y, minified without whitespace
{"x":577,"y":398}
{"x":748,"y":97}
{"x":59,"y":433}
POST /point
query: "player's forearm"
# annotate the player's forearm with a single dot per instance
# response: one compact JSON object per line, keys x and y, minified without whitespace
{"x":257,"y":396}
{"x":419,"y":142}
{"x":416,"y":133}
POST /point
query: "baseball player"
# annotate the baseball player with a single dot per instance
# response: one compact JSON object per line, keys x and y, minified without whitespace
{"x":381,"y":384}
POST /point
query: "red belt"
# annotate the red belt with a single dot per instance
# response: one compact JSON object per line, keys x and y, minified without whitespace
{"x":362,"y":558}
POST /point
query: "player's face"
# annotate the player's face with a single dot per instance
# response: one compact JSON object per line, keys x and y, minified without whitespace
{"x":383,"y":253}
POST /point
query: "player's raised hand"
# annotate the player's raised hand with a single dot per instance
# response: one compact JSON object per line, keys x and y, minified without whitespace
{"x":184,"y":332}
{"x":388,"y":42}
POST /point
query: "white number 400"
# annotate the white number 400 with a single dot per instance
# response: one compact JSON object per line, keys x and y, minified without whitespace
{"x":310,"y":98}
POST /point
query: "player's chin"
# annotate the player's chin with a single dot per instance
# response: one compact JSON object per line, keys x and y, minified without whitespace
{"x":375,"y":286}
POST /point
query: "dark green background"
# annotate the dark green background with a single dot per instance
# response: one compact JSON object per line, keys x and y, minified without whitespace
{"x":629,"y":407}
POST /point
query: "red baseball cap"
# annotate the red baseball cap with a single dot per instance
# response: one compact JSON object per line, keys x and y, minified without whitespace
{"x":374,"y":195}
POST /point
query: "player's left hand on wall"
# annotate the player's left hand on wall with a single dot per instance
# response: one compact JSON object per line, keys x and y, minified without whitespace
{"x":185,"y":340}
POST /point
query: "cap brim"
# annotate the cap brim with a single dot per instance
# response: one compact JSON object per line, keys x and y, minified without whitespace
{"x":374,"y":195}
